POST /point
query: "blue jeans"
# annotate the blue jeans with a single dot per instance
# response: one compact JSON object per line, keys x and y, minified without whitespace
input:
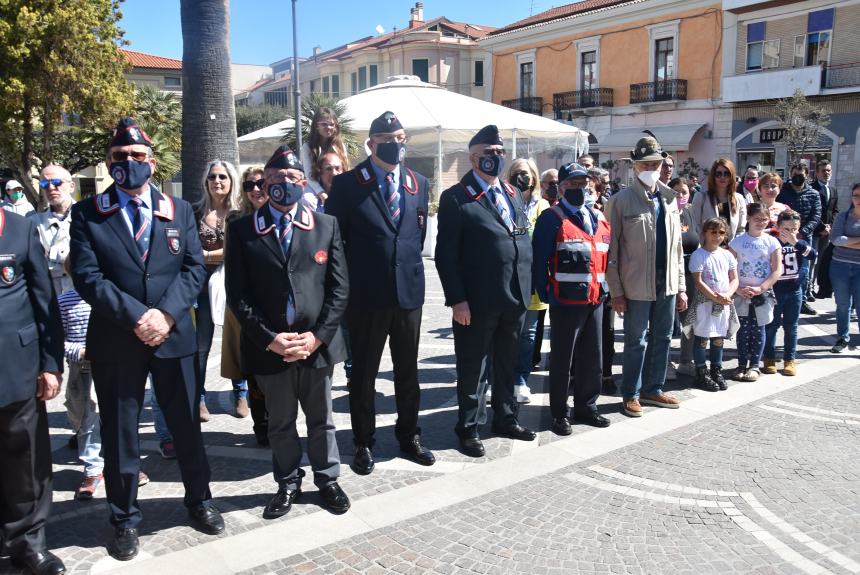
{"x":701,"y":354}
{"x":845,"y":279}
{"x":647,"y":336}
{"x":84,"y":418}
{"x":786,"y":314}
{"x":527,"y":347}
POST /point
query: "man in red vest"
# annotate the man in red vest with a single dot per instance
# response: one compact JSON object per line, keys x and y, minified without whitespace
{"x":570,"y":246}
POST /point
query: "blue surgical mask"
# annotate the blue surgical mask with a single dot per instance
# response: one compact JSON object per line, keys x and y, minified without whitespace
{"x":285,"y":193}
{"x":391,"y":152}
{"x":590,"y":199}
{"x":491,"y":165}
{"x":130,"y":174}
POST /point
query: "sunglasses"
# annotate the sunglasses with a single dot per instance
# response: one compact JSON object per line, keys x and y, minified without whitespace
{"x":722,"y":174}
{"x":56,"y":182}
{"x":250,"y":186}
{"x":213,"y":177}
{"x":123,"y":156}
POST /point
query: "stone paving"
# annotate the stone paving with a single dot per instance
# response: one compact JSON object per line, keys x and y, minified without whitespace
{"x":795,"y":461}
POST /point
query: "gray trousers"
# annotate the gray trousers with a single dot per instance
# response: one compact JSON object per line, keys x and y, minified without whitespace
{"x":284,"y":392}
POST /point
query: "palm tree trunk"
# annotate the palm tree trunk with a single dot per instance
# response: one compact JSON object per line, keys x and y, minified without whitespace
{"x":208,"y":113}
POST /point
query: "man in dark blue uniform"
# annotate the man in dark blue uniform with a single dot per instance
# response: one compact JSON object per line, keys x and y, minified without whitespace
{"x":484,"y":257}
{"x":31,"y":337}
{"x":137,"y":260}
{"x":287,"y":284}
{"x":381,"y":207}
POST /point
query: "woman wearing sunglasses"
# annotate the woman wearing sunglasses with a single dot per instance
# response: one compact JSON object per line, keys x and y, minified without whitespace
{"x":220,"y":197}
{"x":721,"y":200}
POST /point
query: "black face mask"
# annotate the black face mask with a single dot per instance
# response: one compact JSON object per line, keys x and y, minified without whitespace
{"x":391,"y":152}
{"x":552,"y":191}
{"x":285,"y":193}
{"x":523,"y":182}
{"x":575,"y":196}
{"x":491,"y":165}
{"x":798,"y":180}
{"x":130,"y":174}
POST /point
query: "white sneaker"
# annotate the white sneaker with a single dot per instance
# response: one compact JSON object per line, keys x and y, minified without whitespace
{"x":671,"y":370}
{"x":688,"y":368}
{"x":523,"y":393}
{"x":488,"y":395}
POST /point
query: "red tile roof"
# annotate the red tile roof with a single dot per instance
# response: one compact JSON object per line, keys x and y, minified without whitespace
{"x":556,"y":13}
{"x":141,"y":60}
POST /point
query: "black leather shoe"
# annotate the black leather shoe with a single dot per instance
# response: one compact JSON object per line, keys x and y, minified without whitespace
{"x":608,"y":387}
{"x":593,"y":419}
{"x":472,"y":446}
{"x":334,"y":498}
{"x":561,"y":426}
{"x":515,"y":431}
{"x":125,"y":545}
{"x":362,"y":462}
{"x":207,"y":519}
{"x":42,"y":563}
{"x":416,"y":452}
{"x":281,"y":503}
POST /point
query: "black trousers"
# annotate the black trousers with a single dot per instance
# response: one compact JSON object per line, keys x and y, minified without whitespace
{"x":536,"y":354}
{"x":25,"y":476}
{"x":120,"y":388}
{"x":499,"y":332}
{"x":608,"y":339}
{"x":576,"y":333}
{"x":368,"y":329}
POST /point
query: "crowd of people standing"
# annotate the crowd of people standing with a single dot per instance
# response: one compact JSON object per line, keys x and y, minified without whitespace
{"x":308,"y":262}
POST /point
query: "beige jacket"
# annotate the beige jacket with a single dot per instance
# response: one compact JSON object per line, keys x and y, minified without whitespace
{"x":631,"y":271}
{"x":703,"y":210}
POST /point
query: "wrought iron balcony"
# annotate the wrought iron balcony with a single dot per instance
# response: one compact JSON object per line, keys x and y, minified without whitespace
{"x":566,"y":102}
{"x":531,"y":105}
{"x":842,"y":75}
{"x":659,"y":91}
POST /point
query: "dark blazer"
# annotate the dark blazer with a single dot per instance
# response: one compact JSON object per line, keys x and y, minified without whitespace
{"x":259,"y":279}
{"x":31,"y":334}
{"x":829,"y":207}
{"x":109,"y":275}
{"x":478,"y":259}
{"x":385,"y":264}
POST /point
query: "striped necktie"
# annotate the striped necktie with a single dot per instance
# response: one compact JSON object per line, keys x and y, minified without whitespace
{"x":140,"y":226}
{"x":392,"y":197}
{"x":502,"y":207}
{"x":587,"y":226}
{"x":286,"y":235}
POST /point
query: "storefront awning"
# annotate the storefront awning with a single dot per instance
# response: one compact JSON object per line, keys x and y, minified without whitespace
{"x":671,"y":138}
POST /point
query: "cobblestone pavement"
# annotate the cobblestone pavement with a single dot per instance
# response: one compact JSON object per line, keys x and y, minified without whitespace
{"x":768,"y":486}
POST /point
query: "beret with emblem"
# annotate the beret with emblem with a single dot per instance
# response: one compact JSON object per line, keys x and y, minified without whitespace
{"x":488,"y":136}
{"x":128,"y":133}
{"x":647,"y":150}
{"x":284,"y":158}
{"x":385,"y":124}
{"x":571,"y":170}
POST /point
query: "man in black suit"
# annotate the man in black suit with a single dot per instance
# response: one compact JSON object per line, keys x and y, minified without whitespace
{"x":136,"y":259}
{"x":829,"y":209}
{"x":287,"y":284}
{"x":31,"y":337}
{"x":381,"y":207}
{"x":484,"y":258}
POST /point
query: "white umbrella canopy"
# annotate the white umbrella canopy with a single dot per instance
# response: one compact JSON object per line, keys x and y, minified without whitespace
{"x":440,"y":124}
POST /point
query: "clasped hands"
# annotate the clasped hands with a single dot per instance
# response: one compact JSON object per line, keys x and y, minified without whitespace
{"x":294,"y":346}
{"x":154,"y":327}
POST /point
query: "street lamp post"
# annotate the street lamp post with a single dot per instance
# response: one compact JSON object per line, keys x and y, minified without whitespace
{"x":297,"y":92}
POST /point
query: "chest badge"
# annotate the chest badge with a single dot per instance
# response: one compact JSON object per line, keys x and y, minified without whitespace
{"x":7,"y":271}
{"x":173,"y":242}
{"x":321,"y":257}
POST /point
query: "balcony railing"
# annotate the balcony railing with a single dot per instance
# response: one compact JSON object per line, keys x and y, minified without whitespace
{"x":531,"y":105}
{"x":565,"y":102}
{"x":659,"y":91}
{"x":842,"y":75}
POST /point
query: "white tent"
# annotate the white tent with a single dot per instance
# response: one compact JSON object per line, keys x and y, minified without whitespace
{"x":439,"y":124}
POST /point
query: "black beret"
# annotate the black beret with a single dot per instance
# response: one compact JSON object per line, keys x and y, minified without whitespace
{"x":385,"y":124}
{"x":284,"y":158}
{"x":488,"y":135}
{"x":128,"y":133}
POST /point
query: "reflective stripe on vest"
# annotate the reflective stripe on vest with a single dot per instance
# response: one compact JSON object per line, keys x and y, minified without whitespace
{"x":578,"y":266}
{"x":563,"y":277}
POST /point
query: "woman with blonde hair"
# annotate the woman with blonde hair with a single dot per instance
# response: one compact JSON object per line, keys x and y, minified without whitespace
{"x":721,"y":200}
{"x":220,"y":197}
{"x":525,"y":176}
{"x":324,"y":137}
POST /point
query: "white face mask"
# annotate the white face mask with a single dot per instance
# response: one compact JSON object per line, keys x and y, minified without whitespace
{"x":649,"y":178}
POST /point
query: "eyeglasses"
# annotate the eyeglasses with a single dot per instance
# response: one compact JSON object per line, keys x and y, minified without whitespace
{"x":494,"y":152}
{"x":722,"y":174}
{"x":56,"y":182}
{"x":213,"y":177}
{"x":250,"y":185}
{"x":123,"y":156}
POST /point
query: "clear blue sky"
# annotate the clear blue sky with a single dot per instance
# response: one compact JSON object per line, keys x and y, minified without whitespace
{"x":261,"y":30}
